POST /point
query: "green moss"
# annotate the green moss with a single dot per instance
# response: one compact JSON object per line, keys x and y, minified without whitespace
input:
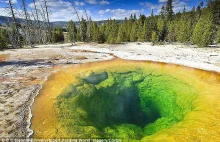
{"x":128,"y":105}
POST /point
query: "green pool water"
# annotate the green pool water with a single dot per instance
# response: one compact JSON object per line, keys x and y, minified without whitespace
{"x":128,"y":100}
{"x":128,"y":105}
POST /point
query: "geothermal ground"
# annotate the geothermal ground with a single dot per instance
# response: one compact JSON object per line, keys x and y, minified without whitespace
{"x":24,"y":71}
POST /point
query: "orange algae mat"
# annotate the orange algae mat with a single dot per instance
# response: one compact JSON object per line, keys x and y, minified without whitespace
{"x":176,"y":103}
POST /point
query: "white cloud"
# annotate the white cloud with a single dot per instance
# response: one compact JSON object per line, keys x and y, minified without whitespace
{"x":7,"y":12}
{"x":62,"y":10}
{"x":91,"y":1}
{"x":53,"y":4}
{"x":6,"y":1}
{"x":178,"y":5}
{"x":77,"y":3}
{"x":59,"y":10}
{"x":150,"y":6}
{"x":101,"y":12}
{"x":161,"y":1}
{"x":102,"y":2}
{"x":119,"y":13}
{"x":4,"y":12}
{"x":67,"y":15}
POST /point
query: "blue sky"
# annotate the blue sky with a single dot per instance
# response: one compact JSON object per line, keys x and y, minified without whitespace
{"x":61,"y":10}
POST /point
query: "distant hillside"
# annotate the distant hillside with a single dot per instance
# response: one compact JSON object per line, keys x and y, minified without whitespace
{"x":4,"y":19}
{"x":64,"y":24}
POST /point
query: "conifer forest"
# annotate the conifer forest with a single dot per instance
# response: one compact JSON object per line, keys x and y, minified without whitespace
{"x":199,"y":26}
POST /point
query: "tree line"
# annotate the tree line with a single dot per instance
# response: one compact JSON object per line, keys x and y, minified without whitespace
{"x":200,"y":26}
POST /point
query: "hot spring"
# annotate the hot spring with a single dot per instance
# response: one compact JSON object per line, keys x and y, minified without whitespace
{"x":129,"y":100}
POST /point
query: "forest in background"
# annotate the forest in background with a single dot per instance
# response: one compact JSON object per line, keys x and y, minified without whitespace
{"x":200,"y":26}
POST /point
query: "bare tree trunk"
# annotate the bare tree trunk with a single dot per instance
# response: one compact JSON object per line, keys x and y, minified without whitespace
{"x":15,"y":38}
{"x":75,"y":11}
{"x":27,"y":24}
{"x":12,"y":13}
{"x":35,"y":30}
{"x":86,"y":14}
{"x":88,"y":25}
{"x":48,"y":20}
{"x":38,"y":23}
{"x":77,"y":17}
{"x":43,"y":15}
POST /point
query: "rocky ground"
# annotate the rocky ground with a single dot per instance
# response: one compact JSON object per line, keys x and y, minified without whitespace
{"x":23,"y":72}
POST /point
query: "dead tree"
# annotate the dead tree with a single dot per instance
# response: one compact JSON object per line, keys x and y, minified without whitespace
{"x":80,"y":33}
{"x":26,"y":27}
{"x":89,"y":20}
{"x":39,"y":32}
{"x":14,"y":34}
{"x":48,"y":21}
{"x":44,"y":24}
{"x":35,"y":32}
{"x":75,"y":11}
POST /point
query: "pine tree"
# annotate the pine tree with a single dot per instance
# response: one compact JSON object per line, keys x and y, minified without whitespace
{"x":184,"y":10}
{"x":171,"y":36}
{"x":141,"y":20}
{"x":78,"y":35}
{"x":57,"y":35}
{"x":112,"y":38}
{"x":144,"y":33}
{"x":185,"y":31}
{"x":161,"y":28}
{"x":101,"y":34}
{"x":72,"y":32}
{"x":198,"y":13}
{"x":203,"y":30}
{"x":141,"y":34}
{"x":218,"y":36}
{"x":95,"y":32}
{"x":169,"y":10}
{"x":131,"y":18}
{"x":135,"y":18}
{"x":152,"y":24}
{"x":121,"y":34}
{"x":3,"y":39}
{"x":148,"y":31}
{"x":107,"y":29}
{"x":201,"y":4}
{"x":163,"y":11}
{"x":214,"y":6}
{"x":89,"y":30}
{"x":54,"y":36}
{"x":128,"y":29}
{"x":133,"y":34}
{"x":140,"y":38}
{"x":83,"y":29}
{"x":183,"y":28}
{"x":101,"y":38}
{"x":154,"y":38}
{"x":193,"y":9}
{"x":193,"y":19}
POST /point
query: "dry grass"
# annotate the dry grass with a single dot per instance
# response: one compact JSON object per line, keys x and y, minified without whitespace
{"x":218,"y":64}
{"x":3,"y":57}
{"x":85,"y":51}
{"x":81,"y":58}
{"x":56,"y":57}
